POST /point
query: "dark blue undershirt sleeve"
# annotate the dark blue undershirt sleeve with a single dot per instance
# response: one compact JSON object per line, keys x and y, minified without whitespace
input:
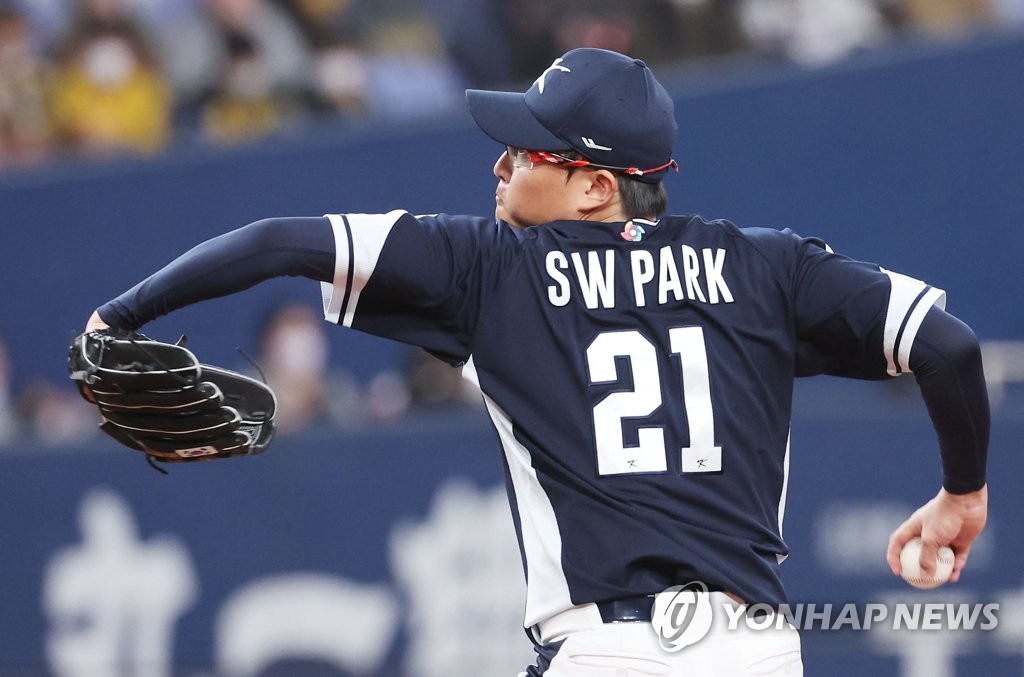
{"x":946,"y":360}
{"x":296,"y":246}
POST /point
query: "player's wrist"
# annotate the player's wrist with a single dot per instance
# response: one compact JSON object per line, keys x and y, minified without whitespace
{"x":977,"y":499}
{"x":962,"y":488}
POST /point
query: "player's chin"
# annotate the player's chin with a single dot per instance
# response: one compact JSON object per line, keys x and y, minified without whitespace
{"x":502,"y":214}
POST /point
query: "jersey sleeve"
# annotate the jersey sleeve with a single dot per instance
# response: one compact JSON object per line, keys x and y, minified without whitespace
{"x":419,"y":280}
{"x":853,"y":318}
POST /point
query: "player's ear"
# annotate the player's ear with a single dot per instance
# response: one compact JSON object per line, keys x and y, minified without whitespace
{"x":600,"y":190}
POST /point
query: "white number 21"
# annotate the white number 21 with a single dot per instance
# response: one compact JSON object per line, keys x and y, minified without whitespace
{"x":613,"y":457}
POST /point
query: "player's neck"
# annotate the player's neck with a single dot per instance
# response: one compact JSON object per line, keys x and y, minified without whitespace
{"x":611,"y":213}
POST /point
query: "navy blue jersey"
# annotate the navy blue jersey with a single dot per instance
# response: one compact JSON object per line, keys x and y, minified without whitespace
{"x":639,"y":376}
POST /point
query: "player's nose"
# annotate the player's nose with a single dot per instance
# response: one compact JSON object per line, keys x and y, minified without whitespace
{"x":503,"y":167}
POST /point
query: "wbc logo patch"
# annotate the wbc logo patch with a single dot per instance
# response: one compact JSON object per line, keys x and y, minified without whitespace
{"x":633,"y":232}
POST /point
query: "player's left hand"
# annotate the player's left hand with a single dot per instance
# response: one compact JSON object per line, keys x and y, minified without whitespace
{"x":96,"y":322}
{"x":948,"y":519}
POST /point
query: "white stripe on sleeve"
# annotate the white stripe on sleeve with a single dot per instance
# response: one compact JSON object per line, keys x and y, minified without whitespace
{"x":358,"y":240}
{"x":334,"y":294}
{"x":909,"y":301}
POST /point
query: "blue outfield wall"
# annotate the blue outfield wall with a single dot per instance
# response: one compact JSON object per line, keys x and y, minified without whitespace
{"x":390,"y":551}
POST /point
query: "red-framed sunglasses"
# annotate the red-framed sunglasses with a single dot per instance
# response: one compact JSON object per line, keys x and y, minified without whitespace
{"x":526,"y":159}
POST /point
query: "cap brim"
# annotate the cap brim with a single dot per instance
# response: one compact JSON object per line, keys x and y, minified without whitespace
{"x":505,"y":117}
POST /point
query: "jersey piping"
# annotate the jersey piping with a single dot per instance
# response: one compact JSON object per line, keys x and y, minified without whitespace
{"x":547,"y":591}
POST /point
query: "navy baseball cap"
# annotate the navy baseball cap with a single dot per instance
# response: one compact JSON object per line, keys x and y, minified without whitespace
{"x":602,"y":104}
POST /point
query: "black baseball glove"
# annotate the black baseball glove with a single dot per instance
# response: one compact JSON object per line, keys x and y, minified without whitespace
{"x":157,"y":398}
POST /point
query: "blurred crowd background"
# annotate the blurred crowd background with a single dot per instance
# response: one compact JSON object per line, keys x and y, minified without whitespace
{"x":95,"y":80}
{"x":114,"y":77}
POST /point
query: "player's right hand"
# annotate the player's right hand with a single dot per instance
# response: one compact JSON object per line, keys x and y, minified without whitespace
{"x":948,"y":519}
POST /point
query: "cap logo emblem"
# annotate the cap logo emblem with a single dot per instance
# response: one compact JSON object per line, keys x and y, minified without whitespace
{"x":553,"y":67}
{"x":590,"y":143}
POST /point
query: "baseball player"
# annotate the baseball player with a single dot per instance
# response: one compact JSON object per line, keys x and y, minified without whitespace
{"x":637,"y":367}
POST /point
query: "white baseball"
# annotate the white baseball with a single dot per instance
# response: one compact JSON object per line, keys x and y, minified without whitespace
{"x":910,"y":557}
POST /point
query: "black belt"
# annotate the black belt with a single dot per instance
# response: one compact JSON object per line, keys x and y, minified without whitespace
{"x":628,"y":610}
{"x":632,"y":609}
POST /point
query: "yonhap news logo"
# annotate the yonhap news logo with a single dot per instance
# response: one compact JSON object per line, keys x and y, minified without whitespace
{"x":954,"y":616}
{"x":682,"y":615}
